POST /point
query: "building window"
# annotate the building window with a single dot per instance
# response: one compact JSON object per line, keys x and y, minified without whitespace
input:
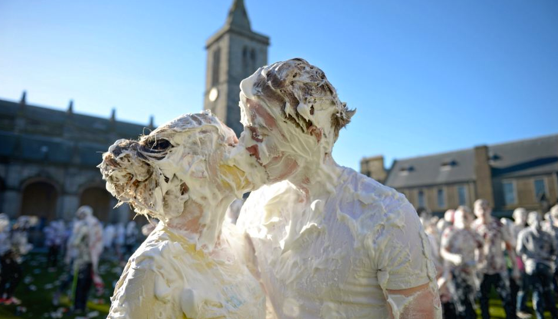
{"x":421,"y":200}
{"x":448,"y":164}
{"x":441,"y":198}
{"x":509,"y":193}
{"x":462,"y":195}
{"x":253,"y":59}
{"x":405,"y":170}
{"x":216,"y":67}
{"x":245,"y":64}
{"x":540,"y":188}
{"x":248,"y":60}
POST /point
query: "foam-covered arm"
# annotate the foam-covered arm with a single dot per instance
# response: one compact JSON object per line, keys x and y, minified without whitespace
{"x":418,"y":302}
{"x":406,"y":271}
{"x":451,"y":257}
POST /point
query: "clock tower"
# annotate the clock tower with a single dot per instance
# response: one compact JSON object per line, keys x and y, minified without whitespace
{"x":233,"y":53}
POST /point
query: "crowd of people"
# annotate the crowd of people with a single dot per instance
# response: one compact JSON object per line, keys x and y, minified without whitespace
{"x":476,"y":251}
{"x":79,"y":244}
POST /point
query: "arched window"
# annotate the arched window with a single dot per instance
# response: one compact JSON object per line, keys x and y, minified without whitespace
{"x":253,"y":58}
{"x":39,"y":199}
{"x":216,"y":66}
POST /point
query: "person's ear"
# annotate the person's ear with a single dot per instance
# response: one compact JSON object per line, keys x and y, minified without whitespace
{"x":316,"y":132}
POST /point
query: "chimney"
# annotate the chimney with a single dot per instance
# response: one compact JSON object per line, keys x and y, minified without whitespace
{"x":483,"y":174}
{"x":374,"y":167}
{"x":151,"y":122}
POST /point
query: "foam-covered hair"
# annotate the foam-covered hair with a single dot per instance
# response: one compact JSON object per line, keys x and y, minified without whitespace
{"x":156,"y":173}
{"x":305,"y":95}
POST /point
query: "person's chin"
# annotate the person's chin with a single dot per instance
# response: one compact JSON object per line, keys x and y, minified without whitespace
{"x":280,"y":169}
{"x":256,"y":174}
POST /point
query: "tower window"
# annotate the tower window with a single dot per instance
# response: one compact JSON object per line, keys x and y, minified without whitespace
{"x":245,"y":64}
{"x":253,"y":60}
{"x":216,"y":67}
{"x":248,"y":60}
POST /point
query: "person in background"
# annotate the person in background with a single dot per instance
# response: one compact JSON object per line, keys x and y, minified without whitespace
{"x":120,"y":241}
{"x":538,"y":250}
{"x":4,"y":234}
{"x":459,"y":244}
{"x":429,"y":226}
{"x":10,"y":273}
{"x":149,"y":227}
{"x":70,"y":254}
{"x":88,"y":242}
{"x":108,"y":238}
{"x":14,"y":246}
{"x":552,"y":228}
{"x":522,"y":288}
{"x":131,"y":239}
{"x":54,"y":236}
{"x":445,"y":222}
{"x":493,"y":269}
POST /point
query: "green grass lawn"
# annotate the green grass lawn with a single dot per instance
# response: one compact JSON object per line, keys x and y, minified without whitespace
{"x":37,"y":290}
{"x":39,"y":285}
{"x":497,"y":311}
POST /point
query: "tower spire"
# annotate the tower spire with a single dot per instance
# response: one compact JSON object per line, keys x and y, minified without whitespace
{"x":71,"y":108}
{"x":238,"y":16}
{"x":23,"y":99}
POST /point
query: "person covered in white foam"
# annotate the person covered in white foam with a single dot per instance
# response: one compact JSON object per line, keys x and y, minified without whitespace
{"x":329,"y":242}
{"x":190,"y":266}
{"x":87,"y":240}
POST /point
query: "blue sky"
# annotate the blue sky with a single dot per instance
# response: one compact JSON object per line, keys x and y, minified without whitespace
{"x":426,"y":76}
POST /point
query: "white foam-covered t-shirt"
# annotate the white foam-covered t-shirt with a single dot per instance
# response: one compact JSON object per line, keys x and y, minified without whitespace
{"x":168,"y":278}
{"x":335,"y":257}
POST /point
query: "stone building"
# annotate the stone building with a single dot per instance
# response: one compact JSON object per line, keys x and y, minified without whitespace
{"x":508,"y":175}
{"x":233,"y":53}
{"x":48,"y":161}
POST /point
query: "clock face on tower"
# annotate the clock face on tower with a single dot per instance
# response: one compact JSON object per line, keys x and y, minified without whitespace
{"x":213,"y":94}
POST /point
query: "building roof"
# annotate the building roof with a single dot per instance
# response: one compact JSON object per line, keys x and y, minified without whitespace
{"x":238,"y":15}
{"x":512,"y":159}
{"x":525,"y":157}
{"x":58,"y":137}
{"x":237,"y":23}
{"x":451,"y":167}
{"x":48,"y":116}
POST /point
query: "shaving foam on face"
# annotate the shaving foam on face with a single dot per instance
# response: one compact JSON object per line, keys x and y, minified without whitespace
{"x":188,"y":159}
{"x":189,"y":267}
